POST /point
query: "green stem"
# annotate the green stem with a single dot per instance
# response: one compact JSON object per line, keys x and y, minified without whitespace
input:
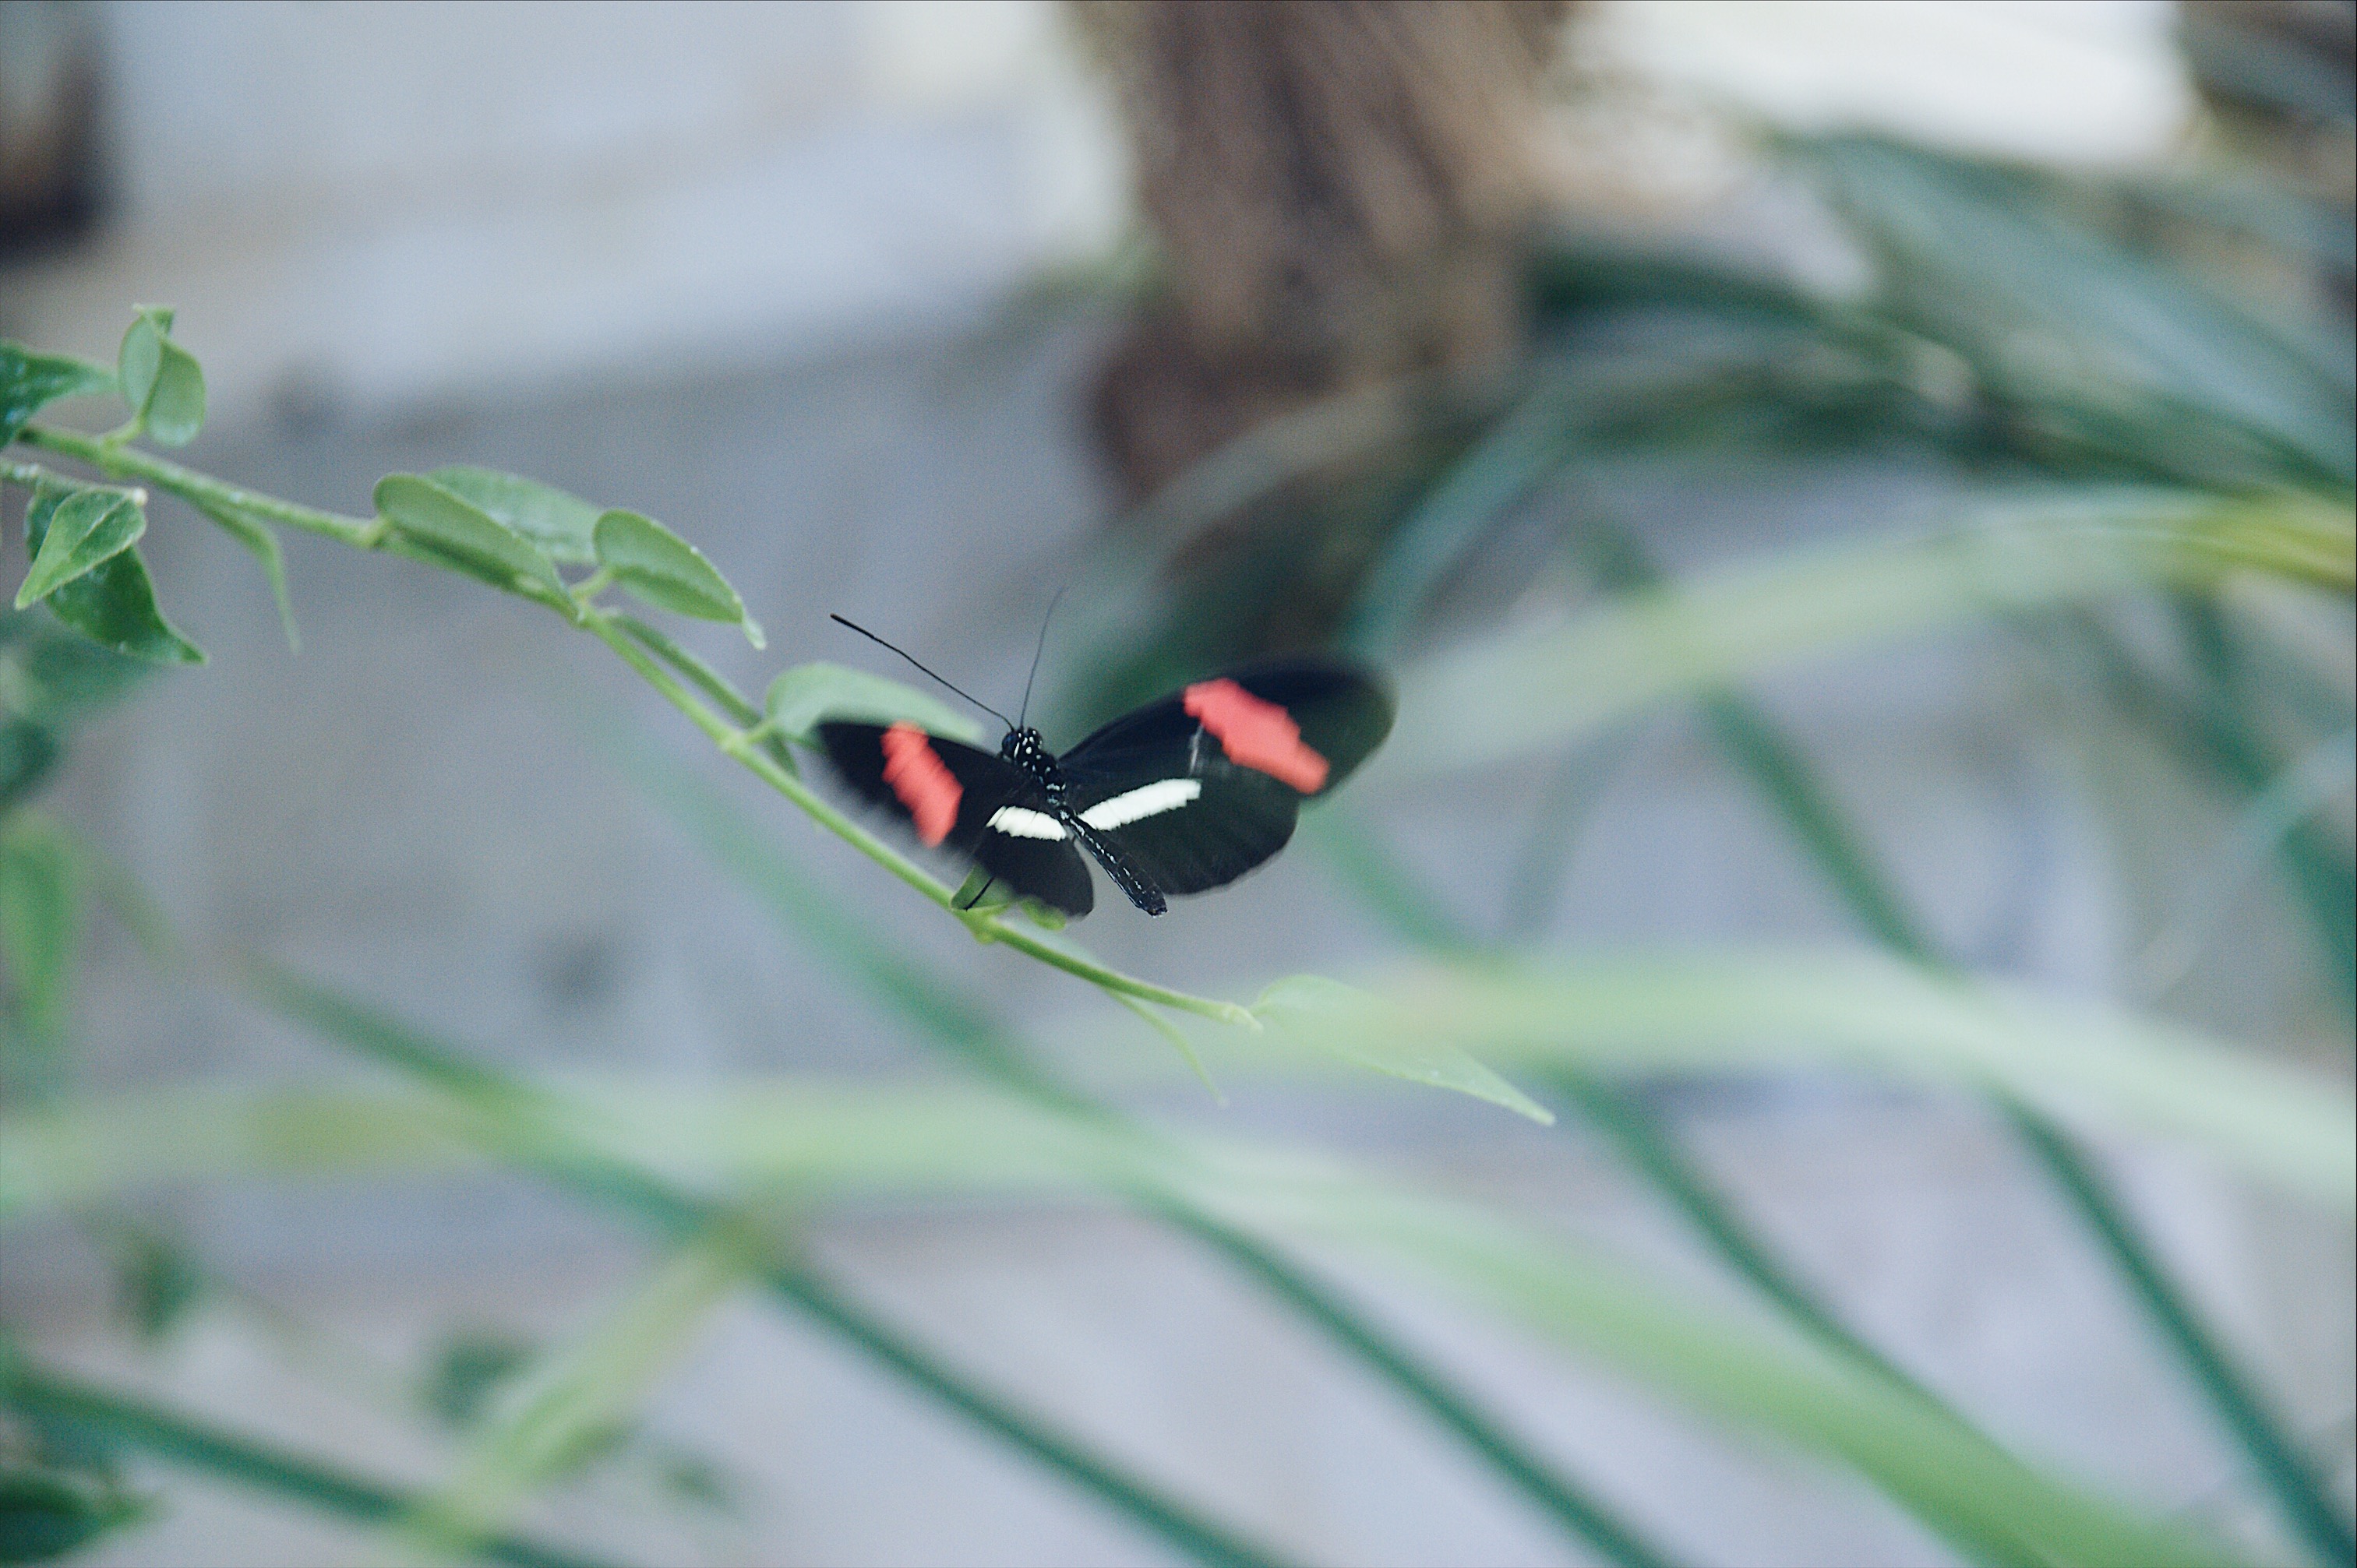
{"x":649,"y":653}
{"x":32,"y":476}
{"x":1808,"y":809}
{"x":751,"y":752}
{"x":201,"y":489}
{"x":1387,"y":888}
{"x":1198,"y":1538}
{"x":661,"y":663}
{"x":110,"y":1419}
{"x":1642,"y":1142}
{"x":531,"y":1126}
{"x":2299,"y":1489}
{"x":584,"y":592}
{"x":951,"y":1023}
{"x":655,"y":658}
{"x":2215,"y":740}
{"x":1585,"y":1518}
{"x":705,"y":679}
{"x":1784,"y":776}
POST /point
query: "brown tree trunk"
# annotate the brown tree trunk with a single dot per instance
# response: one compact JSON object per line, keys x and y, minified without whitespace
{"x":1339,"y":188}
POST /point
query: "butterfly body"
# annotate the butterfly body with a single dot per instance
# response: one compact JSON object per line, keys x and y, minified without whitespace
{"x":1181,"y":796}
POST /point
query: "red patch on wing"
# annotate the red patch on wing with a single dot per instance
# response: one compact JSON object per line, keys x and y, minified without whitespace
{"x":926,"y":787}
{"x":1255,"y":735}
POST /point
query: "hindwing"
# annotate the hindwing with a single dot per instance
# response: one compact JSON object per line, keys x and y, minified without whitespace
{"x":969,"y":802}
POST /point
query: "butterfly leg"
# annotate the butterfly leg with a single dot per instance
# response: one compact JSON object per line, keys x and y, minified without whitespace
{"x":978,"y":892}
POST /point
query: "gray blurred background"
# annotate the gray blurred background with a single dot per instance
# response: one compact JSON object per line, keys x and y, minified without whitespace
{"x":825,"y":288}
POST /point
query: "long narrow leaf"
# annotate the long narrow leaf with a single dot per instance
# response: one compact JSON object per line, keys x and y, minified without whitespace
{"x":949,"y":1022}
{"x":852,"y":1141}
{"x":1748,"y":1012}
{"x":1531,"y":690}
{"x":111,"y":1420}
{"x":579,"y":1395}
{"x":560,"y":1137}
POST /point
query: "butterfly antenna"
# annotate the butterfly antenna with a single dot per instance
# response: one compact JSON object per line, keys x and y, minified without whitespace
{"x":1025,"y":711}
{"x":977,"y":702}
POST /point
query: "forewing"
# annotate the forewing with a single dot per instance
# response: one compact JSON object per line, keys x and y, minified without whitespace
{"x":1342,"y":712}
{"x":981,"y":782}
{"x":1188,"y":832}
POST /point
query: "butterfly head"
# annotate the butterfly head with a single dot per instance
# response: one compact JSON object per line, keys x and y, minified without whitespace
{"x":1024,"y":748}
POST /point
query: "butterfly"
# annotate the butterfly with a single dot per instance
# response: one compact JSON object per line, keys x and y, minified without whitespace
{"x":1181,"y":796}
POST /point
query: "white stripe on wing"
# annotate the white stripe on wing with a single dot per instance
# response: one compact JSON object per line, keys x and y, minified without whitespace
{"x":1145,"y":801}
{"x":1023,"y":822}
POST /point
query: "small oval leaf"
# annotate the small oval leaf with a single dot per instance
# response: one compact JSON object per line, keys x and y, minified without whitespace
{"x":807,"y":693}
{"x":666,"y":571}
{"x":113,"y":604}
{"x":160,"y":381}
{"x":30,"y":382}
{"x":137,"y":361}
{"x":560,"y":524}
{"x":87,"y":529}
{"x":1337,"y":1018}
{"x":175,"y":406}
{"x":451,"y":532}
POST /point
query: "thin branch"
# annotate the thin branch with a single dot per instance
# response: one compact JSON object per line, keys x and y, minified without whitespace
{"x":199,"y":489}
{"x":648,"y":653}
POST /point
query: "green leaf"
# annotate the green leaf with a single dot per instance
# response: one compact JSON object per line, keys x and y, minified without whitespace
{"x":40,"y":920}
{"x":981,"y":890}
{"x":695,"y":1481}
{"x":1530,"y":689}
{"x":47,"y":1513}
{"x":30,"y":382}
{"x":114,"y":1423}
{"x":28,"y":752}
{"x":141,"y":357}
{"x":87,"y":529}
{"x":803,"y":696}
{"x":855,"y":1142}
{"x":54,"y":676}
{"x":469,"y":1367}
{"x":1752,"y":1011}
{"x":2086,"y":334}
{"x":667,"y":571}
{"x":573,"y":1403}
{"x":113,"y":605}
{"x":1176,"y":1035}
{"x":452,"y":531}
{"x":1341,"y":1019}
{"x":263,"y":540}
{"x":156,"y":1282}
{"x":560,"y":524}
{"x":160,"y":380}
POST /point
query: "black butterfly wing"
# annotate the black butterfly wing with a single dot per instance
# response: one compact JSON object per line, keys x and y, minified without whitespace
{"x":953,"y":797}
{"x":1342,"y":713}
{"x":1197,"y":831}
{"x":1049,"y":870}
{"x":1196,"y":790}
